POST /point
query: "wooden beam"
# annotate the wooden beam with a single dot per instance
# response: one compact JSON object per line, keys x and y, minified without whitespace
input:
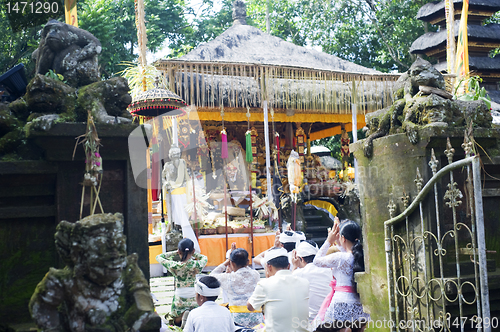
{"x":27,"y":167}
{"x":27,"y":190}
{"x":27,"y":212}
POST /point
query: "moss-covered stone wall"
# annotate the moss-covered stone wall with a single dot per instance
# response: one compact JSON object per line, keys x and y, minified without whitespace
{"x":390,"y":171}
{"x":36,"y":195}
{"x":25,"y":253}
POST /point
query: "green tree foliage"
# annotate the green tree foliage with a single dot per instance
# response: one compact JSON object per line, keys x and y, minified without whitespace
{"x":206,"y":25}
{"x":494,"y":19}
{"x":371,"y":33}
{"x":113,"y":23}
{"x":285,"y":18}
{"x":19,"y":36}
{"x":333,"y":144}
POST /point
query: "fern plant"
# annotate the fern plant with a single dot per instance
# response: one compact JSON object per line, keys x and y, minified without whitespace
{"x":476,"y":92}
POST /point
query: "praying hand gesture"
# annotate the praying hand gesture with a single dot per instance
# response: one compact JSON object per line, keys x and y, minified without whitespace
{"x":228,"y":254}
{"x":296,"y":261}
{"x":333,"y":234}
{"x":277,"y":243}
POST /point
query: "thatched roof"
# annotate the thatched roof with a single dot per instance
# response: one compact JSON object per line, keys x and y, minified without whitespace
{"x":243,"y":67}
{"x":495,"y":97}
{"x":431,"y":40}
{"x":434,"y":11}
{"x":247,"y":44}
{"x":315,"y":93}
{"x":480,"y":64}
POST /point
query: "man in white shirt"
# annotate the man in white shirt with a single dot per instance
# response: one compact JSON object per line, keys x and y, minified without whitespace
{"x":209,"y":316}
{"x":319,"y":277}
{"x":283,"y":295}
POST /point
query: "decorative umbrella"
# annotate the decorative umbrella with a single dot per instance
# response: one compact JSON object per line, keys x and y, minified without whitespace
{"x":156,"y":102}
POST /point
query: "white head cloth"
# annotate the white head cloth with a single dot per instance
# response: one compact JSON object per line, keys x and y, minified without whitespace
{"x":285,"y":238}
{"x":274,"y":253}
{"x":305,"y":249}
{"x":204,"y":290}
{"x":300,"y":236}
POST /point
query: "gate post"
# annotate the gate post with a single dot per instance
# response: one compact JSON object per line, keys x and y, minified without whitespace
{"x":481,"y":245}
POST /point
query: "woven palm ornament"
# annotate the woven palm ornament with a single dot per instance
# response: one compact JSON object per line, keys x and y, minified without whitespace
{"x":156,"y":102}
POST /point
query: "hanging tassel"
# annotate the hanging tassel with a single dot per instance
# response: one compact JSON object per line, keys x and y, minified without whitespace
{"x":278,"y":147}
{"x":249,"y":156}
{"x":224,"y":152}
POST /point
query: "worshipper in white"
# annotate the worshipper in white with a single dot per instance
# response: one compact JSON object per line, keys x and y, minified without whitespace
{"x":319,"y":277}
{"x":283,"y":295}
{"x":239,"y":285}
{"x":209,"y":316}
{"x":287,"y":240}
{"x":342,"y":309}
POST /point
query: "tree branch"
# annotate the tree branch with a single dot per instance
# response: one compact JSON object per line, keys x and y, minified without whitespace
{"x":384,"y":39}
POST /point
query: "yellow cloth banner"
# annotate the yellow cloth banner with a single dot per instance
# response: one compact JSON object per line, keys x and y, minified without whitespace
{"x":241,"y":309}
{"x":462,"y":59}
{"x":179,"y":191}
{"x":324,"y":205}
{"x":70,"y":12}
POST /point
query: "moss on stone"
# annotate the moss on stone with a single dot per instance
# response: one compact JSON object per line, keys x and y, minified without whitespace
{"x":111,"y":95}
{"x":400,"y":93}
{"x":10,"y":141}
{"x":8,"y":122}
{"x":20,"y":109}
{"x":47,"y":95}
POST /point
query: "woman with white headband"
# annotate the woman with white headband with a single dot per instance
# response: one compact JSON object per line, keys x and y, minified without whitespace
{"x":209,"y":316}
{"x":239,"y":285}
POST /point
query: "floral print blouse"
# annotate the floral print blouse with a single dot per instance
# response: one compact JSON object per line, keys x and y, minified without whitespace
{"x":184,"y":272}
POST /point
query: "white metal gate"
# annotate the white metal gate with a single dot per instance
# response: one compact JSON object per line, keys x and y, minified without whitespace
{"x":436,"y":267}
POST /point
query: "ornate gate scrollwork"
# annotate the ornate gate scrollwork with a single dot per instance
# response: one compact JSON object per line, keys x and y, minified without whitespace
{"x":432,"y":286}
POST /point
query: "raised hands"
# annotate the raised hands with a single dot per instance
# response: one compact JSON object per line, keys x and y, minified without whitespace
{"x":277,"y":243}
{"x":333,"y":234}
{"x":295,"y":259}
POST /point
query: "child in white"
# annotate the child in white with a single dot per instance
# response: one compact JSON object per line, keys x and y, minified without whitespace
{"x":209,"y":316}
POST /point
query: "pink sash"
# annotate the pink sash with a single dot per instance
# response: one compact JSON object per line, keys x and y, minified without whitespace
{"x":328,"y":299}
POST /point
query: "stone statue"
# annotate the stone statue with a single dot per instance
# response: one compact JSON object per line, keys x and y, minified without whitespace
{"x":101,"y":288}
{"x":175,"y":177}
{"x":107,"y":100}
{"x":239,"y":12}
{"x":48,"y":101}
{"x":69,"y":51}
{"x":421,"y":101}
